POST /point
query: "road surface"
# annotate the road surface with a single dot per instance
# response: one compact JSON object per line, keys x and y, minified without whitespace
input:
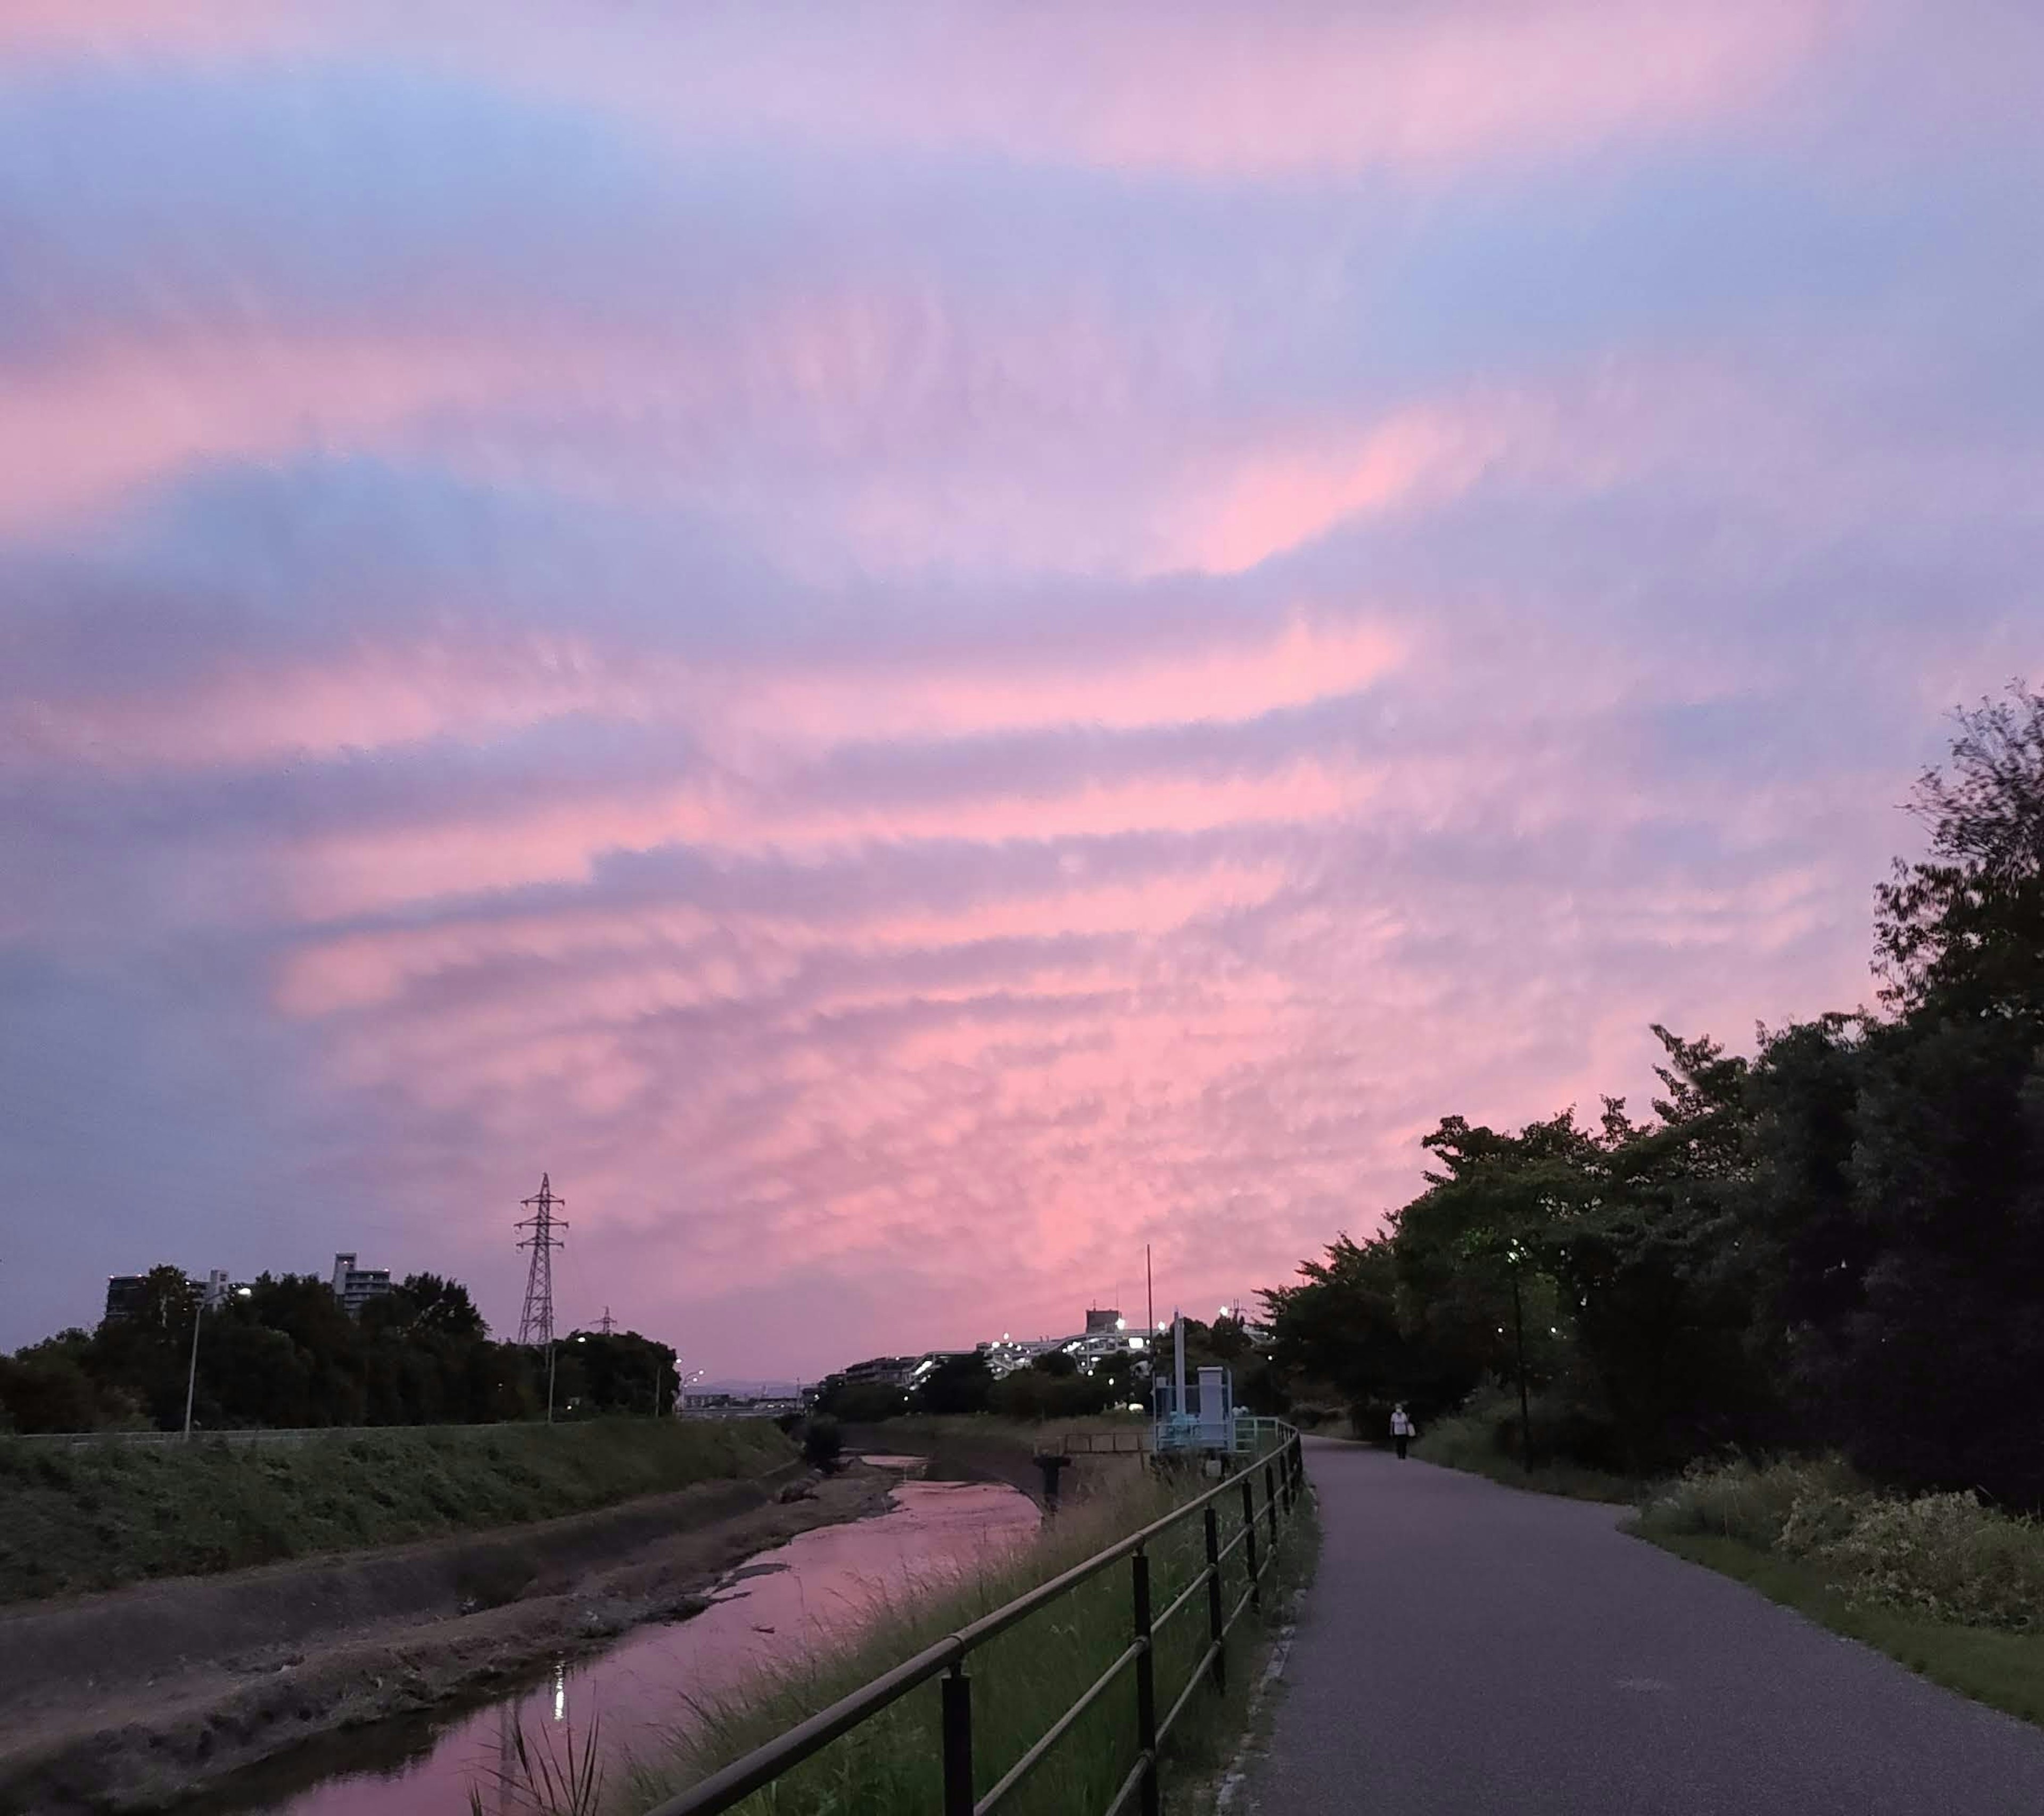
{"x":1469,"y":1650}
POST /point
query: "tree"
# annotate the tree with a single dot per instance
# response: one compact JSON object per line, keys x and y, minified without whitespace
{"x":957,"y":1384}
{"x":1964,"y":927}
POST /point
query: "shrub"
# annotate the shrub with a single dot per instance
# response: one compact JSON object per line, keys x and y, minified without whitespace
{"x":1943,"y":1557}
{"x":823,"y":1441}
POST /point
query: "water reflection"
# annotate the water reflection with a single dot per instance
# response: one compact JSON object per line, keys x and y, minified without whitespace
{"x":771,"y":1612}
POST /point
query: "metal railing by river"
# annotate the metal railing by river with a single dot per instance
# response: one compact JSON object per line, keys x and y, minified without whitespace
{"x":1259,"y":1526}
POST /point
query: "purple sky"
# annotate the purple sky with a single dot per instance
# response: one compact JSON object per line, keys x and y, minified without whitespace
{"x":917,"y":645}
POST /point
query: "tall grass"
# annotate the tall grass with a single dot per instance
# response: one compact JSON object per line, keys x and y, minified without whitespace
{"x":1468,"y":1440}
{"x":1946,"y":1557}
{"x":1022,"y":1681}
{"x":94,"y":1516}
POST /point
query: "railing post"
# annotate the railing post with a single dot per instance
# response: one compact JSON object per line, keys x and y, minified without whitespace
{"x":1213,"y":1600}
{"x":1146,"y":1686}
{"x":1249,"y":1544}
{"x":958,"y":1741}
{"x":1270,"y":1504}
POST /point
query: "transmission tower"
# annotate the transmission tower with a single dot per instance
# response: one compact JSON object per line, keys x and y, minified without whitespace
{"x":606,"y":1324}
{"x":536,"y":1323}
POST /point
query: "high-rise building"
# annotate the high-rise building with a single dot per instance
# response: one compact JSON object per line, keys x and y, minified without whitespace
{"x":355,"y":1286}
{"x":124,"y":1296}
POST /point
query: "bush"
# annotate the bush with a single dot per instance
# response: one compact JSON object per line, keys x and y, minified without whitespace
{"x":1944,"y":1556}
{"x":823,"y":1442}
{"x":1755,"y":1504}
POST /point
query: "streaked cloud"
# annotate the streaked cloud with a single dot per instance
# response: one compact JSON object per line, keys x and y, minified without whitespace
{"x":919,"y":646}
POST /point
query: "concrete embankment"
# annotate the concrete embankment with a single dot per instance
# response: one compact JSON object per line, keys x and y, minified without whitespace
{"x":127,"y":1700}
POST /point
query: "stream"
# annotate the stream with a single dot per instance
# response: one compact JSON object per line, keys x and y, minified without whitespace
{"x":770,"y":1613}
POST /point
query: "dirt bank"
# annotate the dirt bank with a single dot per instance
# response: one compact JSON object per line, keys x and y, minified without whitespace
{"x":130,"y":1700}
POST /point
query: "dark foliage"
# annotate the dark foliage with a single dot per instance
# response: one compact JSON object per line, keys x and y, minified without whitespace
{"x":1838,"y":1242}
{"x":285,"y":1352}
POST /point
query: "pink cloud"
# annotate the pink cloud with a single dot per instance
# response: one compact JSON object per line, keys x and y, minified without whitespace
{"x":1206,"y":89}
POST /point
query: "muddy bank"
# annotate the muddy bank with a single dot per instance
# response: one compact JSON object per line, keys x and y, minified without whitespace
{"x":129,"y":1700}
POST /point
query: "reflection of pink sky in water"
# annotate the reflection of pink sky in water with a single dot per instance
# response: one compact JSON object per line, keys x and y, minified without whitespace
{"x":820,"y":1584}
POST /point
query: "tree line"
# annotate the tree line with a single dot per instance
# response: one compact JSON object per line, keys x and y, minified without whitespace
{"x":284,"y":1352}
{"x":1835,"y":1243}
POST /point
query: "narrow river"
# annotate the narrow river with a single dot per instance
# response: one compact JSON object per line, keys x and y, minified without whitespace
{"x":770,"y":1613}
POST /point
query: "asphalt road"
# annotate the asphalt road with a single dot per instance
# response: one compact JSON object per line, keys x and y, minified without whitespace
{"x":1470,"y":1650}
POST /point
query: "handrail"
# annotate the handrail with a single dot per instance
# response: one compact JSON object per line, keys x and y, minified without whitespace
{"x":766,"y":1762}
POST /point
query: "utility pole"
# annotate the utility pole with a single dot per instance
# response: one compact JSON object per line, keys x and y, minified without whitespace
{"x":535,"y":1323}
{"x":191,"y":1375}
{"x":606,"y":1323}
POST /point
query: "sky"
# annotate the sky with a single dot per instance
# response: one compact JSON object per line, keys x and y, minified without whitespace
{"x":918,"y":646}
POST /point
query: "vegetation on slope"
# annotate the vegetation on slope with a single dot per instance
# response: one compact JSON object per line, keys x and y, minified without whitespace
{"x":1951,"y":1587}
{"x":94,"y":1516}
{"x":1022,"y":1681}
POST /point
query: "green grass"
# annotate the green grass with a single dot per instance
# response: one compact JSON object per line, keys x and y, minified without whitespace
{"x":95,"y":1516}
{"x":1468,"y":1442}
{"x":1022,"y":1681}
{"x":2005,"y":1670}
{"x":1951,"y":1588}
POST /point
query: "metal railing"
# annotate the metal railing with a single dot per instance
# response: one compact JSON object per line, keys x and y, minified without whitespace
{"x":1281,"y":1475}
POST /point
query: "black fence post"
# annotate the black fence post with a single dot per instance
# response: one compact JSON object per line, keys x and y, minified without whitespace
{"x":958,"y":1741}
{"x":1270,"y":1504}
{"x":1213,"y":1600}
{"x":1146,"y":1685}
{"x":1249,"y":1543}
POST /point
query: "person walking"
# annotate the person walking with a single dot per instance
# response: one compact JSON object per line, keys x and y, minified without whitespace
{"x":1402,"y":1429}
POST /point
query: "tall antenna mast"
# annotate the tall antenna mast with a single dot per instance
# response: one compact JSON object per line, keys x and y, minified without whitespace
{"x":536,"y":1323}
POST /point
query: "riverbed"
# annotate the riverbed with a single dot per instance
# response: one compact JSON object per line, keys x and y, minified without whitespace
{"x":771,"y":1614}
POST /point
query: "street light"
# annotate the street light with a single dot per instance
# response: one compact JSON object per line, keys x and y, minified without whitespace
{"x":191,"y":1374}
{"x":1514,"y":1255}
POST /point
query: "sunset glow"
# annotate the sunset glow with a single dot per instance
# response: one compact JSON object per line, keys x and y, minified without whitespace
{"x":917,"y":647}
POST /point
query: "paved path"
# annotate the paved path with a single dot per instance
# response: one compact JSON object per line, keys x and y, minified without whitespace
{"x":1470,"y":1650}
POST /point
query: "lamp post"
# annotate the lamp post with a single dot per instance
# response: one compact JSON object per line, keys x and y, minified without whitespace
{"x":1513,"y":1256}
{"x":191,"y":1374}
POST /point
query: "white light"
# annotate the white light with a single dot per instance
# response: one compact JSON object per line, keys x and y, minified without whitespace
{"x":1222,"y":1312}
{"x":1135,"y":1343}
{"x":1121,"y":1324}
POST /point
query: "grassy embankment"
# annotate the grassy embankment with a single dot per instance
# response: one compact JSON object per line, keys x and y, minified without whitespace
{"x":1022,"y":1681}
{"x":1950,"y":1588}
{"x":95,"y":1516}
{"x":1469,"y":1441}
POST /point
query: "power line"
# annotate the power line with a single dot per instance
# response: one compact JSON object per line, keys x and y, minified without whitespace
{"x":535,"y":1323}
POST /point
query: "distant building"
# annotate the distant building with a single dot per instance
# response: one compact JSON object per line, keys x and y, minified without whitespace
{"x":1106,"y":1333}
{"x":883,"y":1371}
{"x":355,"y":1286}
{"x":124,"y":1296}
